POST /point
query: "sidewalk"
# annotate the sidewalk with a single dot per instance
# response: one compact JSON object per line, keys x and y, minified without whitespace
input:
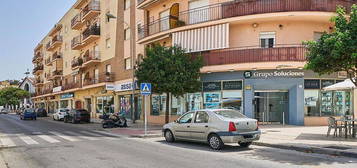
{"x":137,"y":130}
{"x":307,"y":139}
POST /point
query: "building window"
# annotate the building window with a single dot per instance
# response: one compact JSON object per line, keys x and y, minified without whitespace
{"x":267,"y":39}
{"x":164,"y":20}
{"x":126,"y":4}
{"x":108,"y":68}
{"x":127,"y":34}
{"x":158,"y":104}
{"x":127,"y":63}
{"x":107,"y":43}
{"x":139,"y":28}
{"x":105,"y":104}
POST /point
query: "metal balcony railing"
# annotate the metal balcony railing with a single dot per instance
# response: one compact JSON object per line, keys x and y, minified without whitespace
{"x":91,"y":55}
{"x":239,"y":8}
{"x":76,"y":41}
{"x":253,"y":54}
{"x":76,"y":19}
{"x":101,"y":78}
{"x":93,"y":5}
{"x":92,"y":30}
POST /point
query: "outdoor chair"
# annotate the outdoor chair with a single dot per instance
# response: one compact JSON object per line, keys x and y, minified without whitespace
{"x":332,"y":124}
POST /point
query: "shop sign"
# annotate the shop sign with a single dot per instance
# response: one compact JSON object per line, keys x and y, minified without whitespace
{"x":312,"y":84}
{"x":211,"y":86}
{"x":232,"y":85}
{"x":272,"y":74}
{"x":67,"y":96}
{"x":57,"y":89}
{"x":109,"y":87}
{"x":325,"y":83}
{"x":125,"y":86}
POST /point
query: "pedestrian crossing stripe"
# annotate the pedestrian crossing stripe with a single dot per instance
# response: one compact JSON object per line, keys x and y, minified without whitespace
{"x":36,"y":138}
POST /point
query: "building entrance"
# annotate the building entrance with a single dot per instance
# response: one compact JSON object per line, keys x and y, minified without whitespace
{"x":271,"y":106}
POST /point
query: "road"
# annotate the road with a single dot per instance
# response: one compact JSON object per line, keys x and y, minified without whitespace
{"x":50,"y":144}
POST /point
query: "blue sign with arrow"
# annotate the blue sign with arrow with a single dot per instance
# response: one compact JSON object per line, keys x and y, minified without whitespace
{"x":145,"y":88}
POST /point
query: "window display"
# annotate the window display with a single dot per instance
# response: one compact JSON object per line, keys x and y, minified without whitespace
{"x":311,"y":102}
{"x":177,"y":105}
{"x":105,"y":104}
{"x":232,"y":100}
{"x":326,"y":104}
{"x":212,"y":100}
{"x":125,"y":106}
{"x":341,"y":103}
{"x":194,"y":101}
{"x":158,"y":104}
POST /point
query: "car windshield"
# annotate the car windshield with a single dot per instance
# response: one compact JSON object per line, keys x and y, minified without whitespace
{"x":230,"y":114}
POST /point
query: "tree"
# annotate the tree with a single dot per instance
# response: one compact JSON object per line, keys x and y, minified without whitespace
{"x":336,"y":51}
{"x":12,"y":96}
{"x":170,"y":70}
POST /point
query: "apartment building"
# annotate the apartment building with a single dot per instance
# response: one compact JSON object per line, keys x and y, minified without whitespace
{"x":252,"y":50}
{"x":85,"y":57}
{"x":253,"y":56}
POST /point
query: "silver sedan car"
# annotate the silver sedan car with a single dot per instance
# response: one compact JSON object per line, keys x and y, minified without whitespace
{"x":214,"y":127}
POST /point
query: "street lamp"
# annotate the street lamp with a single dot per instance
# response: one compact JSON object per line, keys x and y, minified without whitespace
{"x":132,"y":54}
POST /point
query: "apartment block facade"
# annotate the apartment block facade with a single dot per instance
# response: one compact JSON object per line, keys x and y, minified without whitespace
{"x":252,"y":50}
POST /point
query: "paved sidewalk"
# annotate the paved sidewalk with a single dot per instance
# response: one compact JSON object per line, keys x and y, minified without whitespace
{"x":307,"y":139}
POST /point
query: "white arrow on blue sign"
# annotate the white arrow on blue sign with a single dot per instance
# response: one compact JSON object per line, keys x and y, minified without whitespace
{"x":145,"y":88}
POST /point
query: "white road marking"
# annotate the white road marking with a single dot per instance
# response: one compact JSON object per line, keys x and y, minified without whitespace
{"x":106,"y":133}
{"x":46,"y":137}
{"x":5,"y":141}
{"x":28,"y":140}
{"x":66,"y":137}
{"x":82,"y":136}
{"x":97,"y":135}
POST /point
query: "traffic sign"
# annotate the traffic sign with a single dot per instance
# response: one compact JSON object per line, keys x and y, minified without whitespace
{"x":145,"y":88}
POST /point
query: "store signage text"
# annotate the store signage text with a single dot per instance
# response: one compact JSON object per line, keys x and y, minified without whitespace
{"x":57,"y":89}
{"x":125,"y":86}
{"x":67,"y":96}
{"x":264,"y":75}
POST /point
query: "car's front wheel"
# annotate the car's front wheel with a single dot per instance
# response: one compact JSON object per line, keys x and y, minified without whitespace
{"x":169,"y":137}
{"x":215,"y":142}
{"x":245,"y":144}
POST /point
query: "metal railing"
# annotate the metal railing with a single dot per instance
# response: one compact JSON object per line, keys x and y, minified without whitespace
{"x":77,"y":62}
{"x":76,"y":19}
{"x":71,"y":85}
{"x":91,"y":55}
{"x":76,"y":41}
{"x":239,"y":8}
{"x":56,"y":55}
{"x":253,"y":54}
{"x":93,"y":5}
{"x":101,"y":78}
{"x":92,"y":30}
{"x":57,"y":73}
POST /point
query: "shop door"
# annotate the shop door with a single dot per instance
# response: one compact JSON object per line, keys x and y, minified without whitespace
{"x":89,"y":105}
{"x":271,"y":107}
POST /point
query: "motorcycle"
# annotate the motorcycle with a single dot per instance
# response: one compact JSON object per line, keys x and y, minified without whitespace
{"x":113,"y":120}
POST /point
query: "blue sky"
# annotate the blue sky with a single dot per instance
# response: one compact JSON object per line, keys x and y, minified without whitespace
{"x":23,"y":23}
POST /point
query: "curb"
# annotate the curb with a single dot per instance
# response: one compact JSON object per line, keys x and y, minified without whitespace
{"x":310,"y":149}
{"x":146,"y":136}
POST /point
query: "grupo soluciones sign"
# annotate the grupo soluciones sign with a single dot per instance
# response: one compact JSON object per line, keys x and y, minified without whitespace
{"x":272,"y":74}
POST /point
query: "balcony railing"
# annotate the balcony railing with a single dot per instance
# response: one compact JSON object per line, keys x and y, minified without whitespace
{"x":71,"y":85}
{"x":239,"y":8}
{"x":255,"y":54}
{"x":55,"y":42}
{"x":38,"y":68}
{"x":92,"y":30}
{"x":56,"y":55}
{"x":77,"y":62}
{"x":76,"y":42}
{"x":48,"y":61}
{"x":93,"y":6}
{"x":76,"y":21}
{"x":101,"y":78}
{"x":57,"y":73}
{"x":91,"y":56}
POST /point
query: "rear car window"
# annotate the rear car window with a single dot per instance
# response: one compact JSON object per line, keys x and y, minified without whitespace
{"x":230,"y":114}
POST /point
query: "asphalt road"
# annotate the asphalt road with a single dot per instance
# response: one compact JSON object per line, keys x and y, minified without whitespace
{"x":45,"y":143}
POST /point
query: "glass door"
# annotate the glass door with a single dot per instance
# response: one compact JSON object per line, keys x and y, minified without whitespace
{"x":271,"y":107}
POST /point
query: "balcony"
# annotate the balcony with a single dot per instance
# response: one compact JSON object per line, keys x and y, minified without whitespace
{"x":76,"y":43}
{"x":91,"y":58}
{"x":91,"y":34}
{"x":76,"y":22}
{"x":37,"y":58}
{"x":57,"y":74}
{"x":238,"y":8}
{"x":56,"y":56}
{"x":77,"y":63}
{"x":91,"y":10}
{"x":101,"y":78}
{"x":55,"y":42}
{"x":279,"y":53}
{"x":38,"y":69}
{"x":72,"y":85}
{"x":39,"y":82}
{"x":48,"y":61}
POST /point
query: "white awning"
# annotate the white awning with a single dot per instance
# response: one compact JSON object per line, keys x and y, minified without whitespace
{"x":203,"y":39}
{"x":345,"y":85}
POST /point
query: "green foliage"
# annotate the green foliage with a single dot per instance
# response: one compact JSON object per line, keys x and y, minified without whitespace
{"x":12,"y":96}
{"x":170,"y":70}
{"x":336,"y":51}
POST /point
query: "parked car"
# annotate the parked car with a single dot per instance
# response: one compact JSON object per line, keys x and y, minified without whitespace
{"x":28,"y":114}
{"x":77,"y":115}
{"x":214,"y":127}
{"x":59,"y":115}
{"x":4,"y":111}
{"x":41,"y":112}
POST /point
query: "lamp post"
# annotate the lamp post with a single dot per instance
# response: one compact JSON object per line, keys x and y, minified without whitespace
{"x":132,"y":55}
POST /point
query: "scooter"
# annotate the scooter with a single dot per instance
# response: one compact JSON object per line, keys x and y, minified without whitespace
{"x":113,"y":120}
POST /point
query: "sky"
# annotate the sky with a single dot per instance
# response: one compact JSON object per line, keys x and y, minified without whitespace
{"x":23,"y":24}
